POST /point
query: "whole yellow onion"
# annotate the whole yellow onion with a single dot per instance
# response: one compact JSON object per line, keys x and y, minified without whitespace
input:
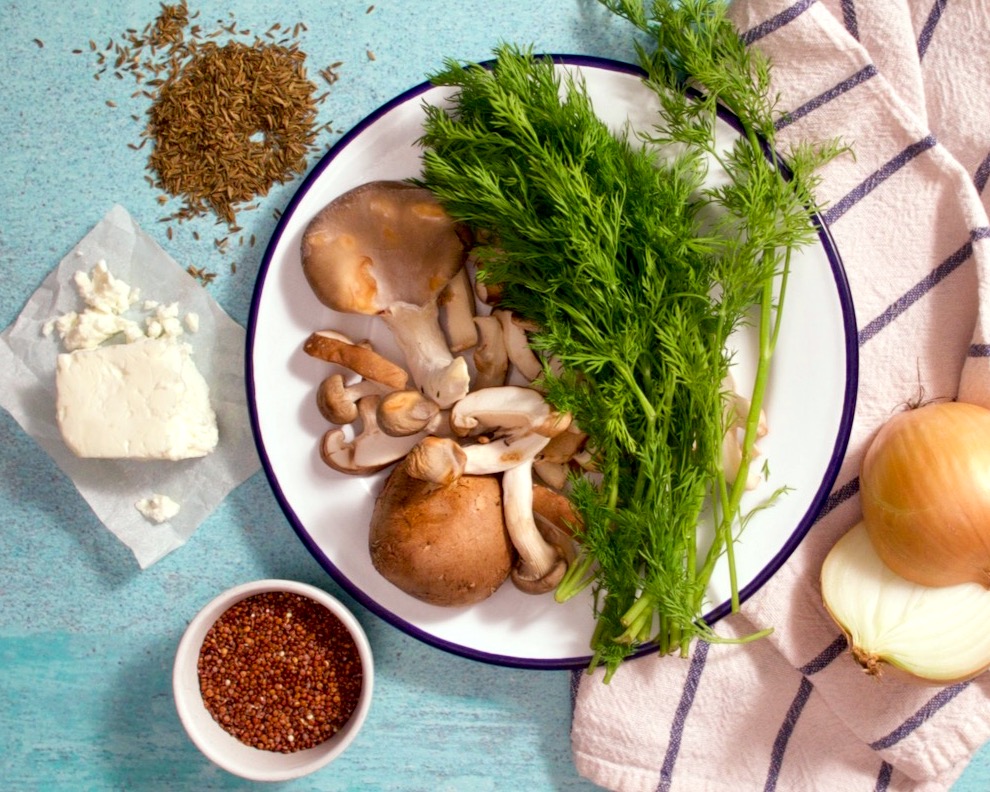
{"x":925,"y":494}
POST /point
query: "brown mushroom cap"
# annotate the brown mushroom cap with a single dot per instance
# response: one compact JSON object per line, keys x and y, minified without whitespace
{"x":381,"y":243}
{"x":443,"y":545}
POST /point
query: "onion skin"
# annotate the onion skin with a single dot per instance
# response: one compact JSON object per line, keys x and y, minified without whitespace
{"x":925,"y":494}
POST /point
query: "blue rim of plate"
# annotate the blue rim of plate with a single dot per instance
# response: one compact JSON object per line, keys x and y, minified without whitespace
{"x":811,"y":515}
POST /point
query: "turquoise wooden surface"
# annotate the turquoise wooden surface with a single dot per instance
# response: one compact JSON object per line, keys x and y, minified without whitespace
{"x":86,"y":638}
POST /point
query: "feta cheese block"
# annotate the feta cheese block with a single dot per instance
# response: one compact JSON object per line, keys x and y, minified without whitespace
{"x":143,"y":400}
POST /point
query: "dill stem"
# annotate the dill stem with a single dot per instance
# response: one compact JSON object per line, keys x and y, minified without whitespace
{"x":576,"y":579}
{"x":629,"y":377}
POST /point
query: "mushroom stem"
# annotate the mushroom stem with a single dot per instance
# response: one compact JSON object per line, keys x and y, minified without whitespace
{"x":337,"y":401}
{"x":418,"y":334}
{"x":540,"y":564}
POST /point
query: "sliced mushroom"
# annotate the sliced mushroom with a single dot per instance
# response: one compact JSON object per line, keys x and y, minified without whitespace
{"x":442,"y":459}
{"x":554,"y":463}
{"x":521,"y":355}
{"x":437,"y":460}
{"x":736,"y":413}
{"x":508,"y":409}
{"x":406,"y":412}
{"x":388,"y":248}
{"x":491,"y":359}
{"x":337,"y":401}
{"x":334,"y":347}
{"x":457,"y":312}
{"x":368,"y":451}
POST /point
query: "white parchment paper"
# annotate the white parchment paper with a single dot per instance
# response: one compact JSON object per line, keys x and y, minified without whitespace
{"x":112,"y":487}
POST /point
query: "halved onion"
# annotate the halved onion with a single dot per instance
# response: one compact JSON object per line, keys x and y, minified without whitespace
{"x":925,"y":493}
{"x":934,"y":634}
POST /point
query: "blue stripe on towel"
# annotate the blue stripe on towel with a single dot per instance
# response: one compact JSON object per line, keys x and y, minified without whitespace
{"x":776,"y":22}
{"x":883,"y":777}
{"x":849,"y":83}
{"x":979,"y":350}
{"x":982,"y":174}
{"x":929,"y":28}
{"x":784,"y":735}
{"x":877,"y":178}
{"x":839,"y":496}
{"x":832,"y":651}
{"x":680,"y":716}
{"x":849,"y":18}
{"x":931,"y":707}
{"x":925,"y":285}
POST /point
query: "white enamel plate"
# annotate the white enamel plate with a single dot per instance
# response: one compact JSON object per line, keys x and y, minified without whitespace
{"x":809,"y":404}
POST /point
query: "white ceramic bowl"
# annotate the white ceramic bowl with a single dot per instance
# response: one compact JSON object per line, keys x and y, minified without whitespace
{"x":227,"y":751}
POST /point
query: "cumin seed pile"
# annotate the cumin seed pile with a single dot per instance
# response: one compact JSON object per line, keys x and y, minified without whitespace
{"x":231,"y":115}
{"x":230,"y":123}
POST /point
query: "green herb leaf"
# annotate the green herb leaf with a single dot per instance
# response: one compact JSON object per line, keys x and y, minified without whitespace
{"x":636,"y":274}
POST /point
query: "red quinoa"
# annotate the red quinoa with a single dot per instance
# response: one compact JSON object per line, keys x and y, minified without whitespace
{"x":280,"y":672}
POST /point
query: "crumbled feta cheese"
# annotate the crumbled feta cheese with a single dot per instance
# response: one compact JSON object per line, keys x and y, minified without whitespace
{"x":192,"y":322}
{"x":89,"y":329}
{"x":158,"y":508}
{"x":101,"y":291}
{"x":164,"y":322}
{"x":144,"y":400}
{"x":105,"y":299}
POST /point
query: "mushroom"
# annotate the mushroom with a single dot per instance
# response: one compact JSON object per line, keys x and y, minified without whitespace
{"x":371,"y":449}
{"x":337,"y":401}
{"x":491,"y":359}
{"x":457,"y":312}
{"x":554,"y":463}
{"x":334,"y":347}
{"x":507,"y":409}
{"x":541,"y":564}
{"x":388,"y":248}
{"x":447,"y":545}
{"x":406,"y":412}
{"x":736,"y":412}
{"x":520,"y":353}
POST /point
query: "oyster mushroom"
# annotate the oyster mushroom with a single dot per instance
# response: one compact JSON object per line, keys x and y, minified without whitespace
{"x":457,"y":312}
{"x":517,"y":347}
{"x":371,"y":449}
{"x":508,"y":409}
{"x":334,"y":347}
{"x":491,"y":359}
{"x":406,"y":412}
{"x":736,"y":412}
{"x":337,"y":401}
{"x":388,"y":248}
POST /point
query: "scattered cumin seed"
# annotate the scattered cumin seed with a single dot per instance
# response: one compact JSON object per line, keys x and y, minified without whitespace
{"x":370,"y":9}
{"x":228,"y":119}
{"x":39,"y":42}
{"x":371,"y":55}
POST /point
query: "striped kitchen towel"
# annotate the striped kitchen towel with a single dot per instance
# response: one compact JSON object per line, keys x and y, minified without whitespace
{"x":906,"y":83}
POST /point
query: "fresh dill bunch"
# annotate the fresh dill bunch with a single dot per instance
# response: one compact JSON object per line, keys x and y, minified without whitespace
{"x":636,"y":273}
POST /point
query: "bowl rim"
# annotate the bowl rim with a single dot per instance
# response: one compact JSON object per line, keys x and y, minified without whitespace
{"x":218,"y":745}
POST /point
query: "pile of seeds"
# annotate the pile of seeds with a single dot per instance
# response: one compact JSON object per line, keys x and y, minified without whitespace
{"x":280,"y":672}
{"x":230,"y":123}
{"x":231,"y":114}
